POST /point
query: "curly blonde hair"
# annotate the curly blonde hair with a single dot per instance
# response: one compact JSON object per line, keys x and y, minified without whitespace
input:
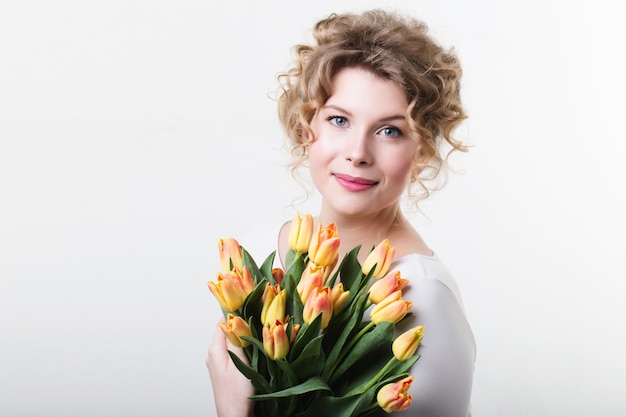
{"x":393,"y":47}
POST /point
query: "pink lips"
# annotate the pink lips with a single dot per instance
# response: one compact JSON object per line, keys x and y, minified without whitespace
{"x":354,"y":183}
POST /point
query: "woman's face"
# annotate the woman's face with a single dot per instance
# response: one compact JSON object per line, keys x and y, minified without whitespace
{"x":362,"y":155}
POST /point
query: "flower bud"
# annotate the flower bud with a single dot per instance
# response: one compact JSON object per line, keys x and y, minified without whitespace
{"x":339,"y":296}
{"x":274,"y":304}
{"x":312,"y":277}
{"x":394,"y":396}
{"x":380,"y":258}
{"x":324,"y":247}
{"x":229,"y":291}
{"x":275,"y":340}
{"x":318,"y":302}
{"x":234,"y":328}
{"x":391,"y":283}
{"x":392,"y":309}
{"x":278,"y":274}
{"x":300,"y":233}
{"x":229,"y":251}
{"x":407,"y":343}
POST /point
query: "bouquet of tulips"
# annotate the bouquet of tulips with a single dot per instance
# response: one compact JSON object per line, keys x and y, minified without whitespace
{"x":309,"y":346}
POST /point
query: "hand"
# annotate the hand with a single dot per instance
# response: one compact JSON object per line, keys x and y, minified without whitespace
{"x":230,"y":388}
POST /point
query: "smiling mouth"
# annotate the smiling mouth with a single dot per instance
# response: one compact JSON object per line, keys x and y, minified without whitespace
{"x":354,"y":183}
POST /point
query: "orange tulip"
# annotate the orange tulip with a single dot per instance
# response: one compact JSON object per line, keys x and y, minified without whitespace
{"x":407,"y":343}
{"x":394,"y":396}
{"x":324,"y":247}
{"x":229,"y":251}
{"x":234,"y":328}
{"x":294,"y":332}
{"x":392,"y":309}
{"x":392,"y":282}
{"x":275,"y":340}
{"x":339,"y":296}
{"x":312,"y":277}
{"x":318,"y":302}
{"x":229,"y":291}
{"x":300,"y":233}
{"x":274,"y":304}
{"x":278,"y":275}
{"x":380,"y":258}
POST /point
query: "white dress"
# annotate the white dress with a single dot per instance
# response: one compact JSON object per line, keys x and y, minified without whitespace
{"x":443,"y":375}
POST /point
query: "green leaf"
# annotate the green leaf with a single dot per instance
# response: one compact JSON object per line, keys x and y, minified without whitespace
{"x":266,"y":268}
{"x":253,"y":304}
{"x":311,"y":360}
{"x":350,"y":268}
{"x":335,"y":406}
{"x":381,"y":334}
{"x":307,"y":333}
{"x":249,"y":262}
{"x":259,"y":383}
{"x":288,"y":371}
{"x":355,"y":314}
{"x":312,"y":384}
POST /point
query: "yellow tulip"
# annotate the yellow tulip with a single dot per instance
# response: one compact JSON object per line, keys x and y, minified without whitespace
{"x":407,"y":343}
{"x":339,"y":296}
{"x":319,"y":302}
{"x":234,"y":328}
{"x":324,"y":247}
{"x":275,"y":340}
{"x":274,"y":304}
{"x":393,"y":309}
{"x":312,"y":277}
{"x":394,"y":396}
{"x":300,"y":233}
{"x":391,"y":283}
{"x":379,"y":259}
{"x":229,"y":291}
{"x":229,"y":251}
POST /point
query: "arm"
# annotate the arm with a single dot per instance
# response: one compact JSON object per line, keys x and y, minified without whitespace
{"x":443,"y":375}
{"x":230,"y":388}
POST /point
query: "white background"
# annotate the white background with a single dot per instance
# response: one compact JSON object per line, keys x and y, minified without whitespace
{"x":134,"y":134}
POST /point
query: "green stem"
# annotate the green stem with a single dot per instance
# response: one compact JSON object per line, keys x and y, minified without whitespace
{"x":378,"y":376}
{"x":347,"y":350}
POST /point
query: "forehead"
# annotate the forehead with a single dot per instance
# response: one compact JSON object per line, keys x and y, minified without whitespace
{"x":361,"y":88}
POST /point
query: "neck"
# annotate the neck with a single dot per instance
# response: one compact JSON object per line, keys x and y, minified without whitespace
{"x":367,"y":231}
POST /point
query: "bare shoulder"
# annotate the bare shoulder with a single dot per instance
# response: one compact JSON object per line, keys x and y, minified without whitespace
{"x":407,"y":241}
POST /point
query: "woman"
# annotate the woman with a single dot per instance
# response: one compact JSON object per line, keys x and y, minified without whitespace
{"x":368,"y":107}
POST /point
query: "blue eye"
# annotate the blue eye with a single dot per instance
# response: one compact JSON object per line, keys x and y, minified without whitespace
{"x":391,"y":132}
{"x":338,"y":121}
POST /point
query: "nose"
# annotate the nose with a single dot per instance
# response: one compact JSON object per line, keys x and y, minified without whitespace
{"x":357,"y":148}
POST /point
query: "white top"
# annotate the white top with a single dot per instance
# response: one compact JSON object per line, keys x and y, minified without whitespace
{"x":443,"y":375}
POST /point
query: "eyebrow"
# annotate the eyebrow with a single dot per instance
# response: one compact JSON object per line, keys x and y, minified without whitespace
{"x":384,"y":119}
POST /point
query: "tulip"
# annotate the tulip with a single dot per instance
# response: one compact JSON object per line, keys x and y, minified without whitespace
{"x":393,"y":309}
{"x":394,"y":396}
{"x":275,"y":340}
{"x":229,"y":291}
{"x":274,"y":304}
{"x":278,"y":274}
{"x":294,"y":332}
{"x":312,"y":277}
{"x":339,"y":296}
{"x":391,"y":283}
{"x":300,"y":233}
{"x":407,"y":343}
{"x":246,"y":280}
{"x":229,"y":251}
{"x":318,"y":302}
{"x":380,"y":258}
{"x":324,"y":247}
{"x":234,"y":328}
